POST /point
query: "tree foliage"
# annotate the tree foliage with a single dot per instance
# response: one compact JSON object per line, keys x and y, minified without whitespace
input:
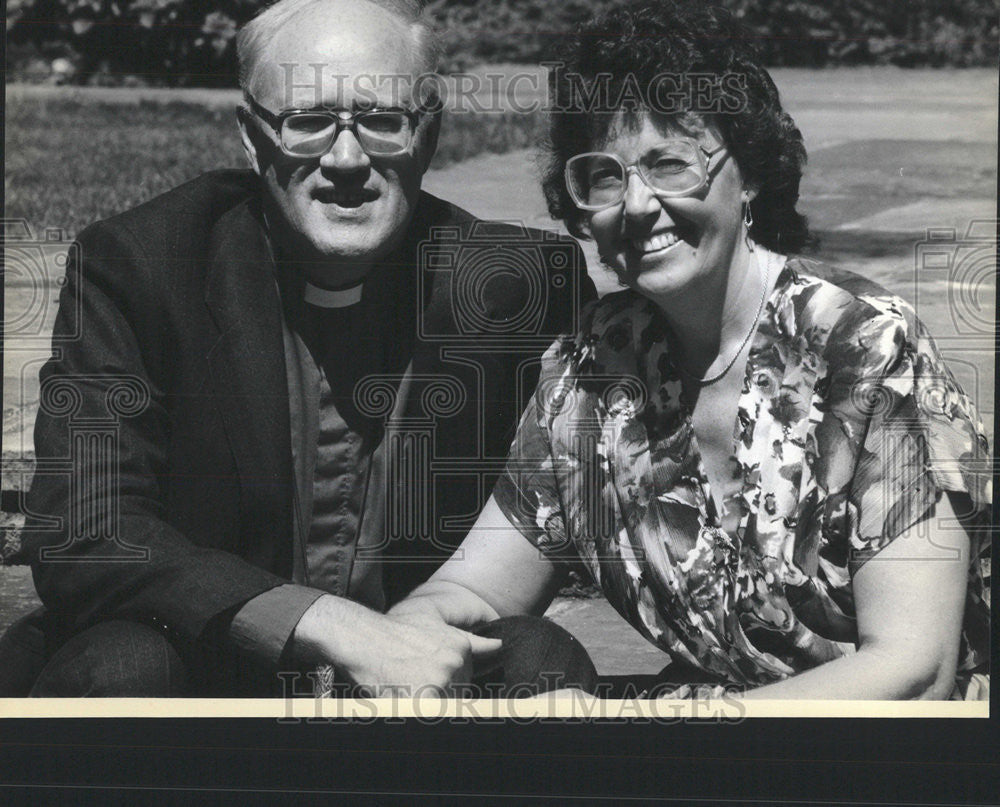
{"x":809,"y":33}
{"x":176,"y":42}
{"x":160,"y":42}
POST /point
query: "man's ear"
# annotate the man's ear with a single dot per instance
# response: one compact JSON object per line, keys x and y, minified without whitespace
{"x":246,"y":137}
{"x":429,"y":141}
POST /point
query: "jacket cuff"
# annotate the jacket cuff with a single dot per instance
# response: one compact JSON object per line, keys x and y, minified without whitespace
{"x":264,"y":625}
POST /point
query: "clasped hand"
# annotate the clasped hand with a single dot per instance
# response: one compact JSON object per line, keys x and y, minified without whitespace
{"x":410,"y":651}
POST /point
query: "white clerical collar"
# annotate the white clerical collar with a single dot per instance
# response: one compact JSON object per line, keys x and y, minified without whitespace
{"x":332,"y":298}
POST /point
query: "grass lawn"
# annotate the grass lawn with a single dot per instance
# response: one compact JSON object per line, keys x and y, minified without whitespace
{"x":71,"y":161}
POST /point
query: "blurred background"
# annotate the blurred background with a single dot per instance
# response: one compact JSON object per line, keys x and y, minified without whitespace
{"x":109,"y":103}
{"x":191,"y":42}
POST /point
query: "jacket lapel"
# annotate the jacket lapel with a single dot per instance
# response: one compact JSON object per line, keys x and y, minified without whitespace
{"x":247,"y":361}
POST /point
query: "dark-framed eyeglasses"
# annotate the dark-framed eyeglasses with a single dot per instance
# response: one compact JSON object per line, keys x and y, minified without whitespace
{"x":381,"y":131}
{"x":598,"y":180}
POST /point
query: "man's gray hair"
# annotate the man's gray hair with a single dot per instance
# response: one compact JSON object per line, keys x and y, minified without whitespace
{"x":253,"y":37}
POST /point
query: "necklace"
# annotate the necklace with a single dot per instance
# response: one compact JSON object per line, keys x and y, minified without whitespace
{"x":704,"y":382}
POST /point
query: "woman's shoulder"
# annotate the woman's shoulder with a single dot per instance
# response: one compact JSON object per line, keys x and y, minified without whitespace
{"x":614,"y":323}
{"x":612,"y":309}
{"x":876,"y":337}
{"x":852,"y":289}
{"x":858,"y":320}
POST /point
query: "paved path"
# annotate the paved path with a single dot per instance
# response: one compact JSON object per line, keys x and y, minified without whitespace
{"x":614,"y":645}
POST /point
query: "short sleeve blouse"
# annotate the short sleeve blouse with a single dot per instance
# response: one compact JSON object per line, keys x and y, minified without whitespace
{"x":849,"y":427}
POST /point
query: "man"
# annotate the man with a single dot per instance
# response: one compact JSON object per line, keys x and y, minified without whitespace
{"x":282,"y":354}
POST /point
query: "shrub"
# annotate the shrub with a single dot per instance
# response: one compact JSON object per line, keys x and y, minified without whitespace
{"x":161,"y":42}
{"x":810,"y":33}
{"x":190,"y":42}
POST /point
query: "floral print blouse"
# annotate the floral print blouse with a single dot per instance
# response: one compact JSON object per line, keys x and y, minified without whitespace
{"x":849,"y":427}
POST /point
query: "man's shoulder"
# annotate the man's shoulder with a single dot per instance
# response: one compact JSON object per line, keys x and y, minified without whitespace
{"x":495,"y":278}
{"x":186,"y":212}
{"x":446,"y":219}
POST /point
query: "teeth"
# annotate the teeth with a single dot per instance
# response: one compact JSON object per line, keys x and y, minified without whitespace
{"x":657,"y":242}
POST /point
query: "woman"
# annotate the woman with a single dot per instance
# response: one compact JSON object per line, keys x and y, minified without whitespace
{"x":748,"y":451}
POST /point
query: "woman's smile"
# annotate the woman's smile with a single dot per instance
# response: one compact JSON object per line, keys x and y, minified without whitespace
{"x":657,"y":244}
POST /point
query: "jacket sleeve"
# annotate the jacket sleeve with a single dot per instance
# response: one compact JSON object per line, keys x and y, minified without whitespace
{"x":96,"y":534}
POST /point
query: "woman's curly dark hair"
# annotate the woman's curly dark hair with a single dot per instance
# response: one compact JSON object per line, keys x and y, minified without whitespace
{"x":636,"y":44}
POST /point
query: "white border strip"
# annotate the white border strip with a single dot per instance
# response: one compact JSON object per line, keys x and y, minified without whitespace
{"x":723,"y":710}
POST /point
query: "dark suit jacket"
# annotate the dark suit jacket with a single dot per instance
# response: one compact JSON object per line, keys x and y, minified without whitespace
{"x":164,"y":483}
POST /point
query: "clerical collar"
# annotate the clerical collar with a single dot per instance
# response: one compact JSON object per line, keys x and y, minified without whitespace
{"x":332,"y":298}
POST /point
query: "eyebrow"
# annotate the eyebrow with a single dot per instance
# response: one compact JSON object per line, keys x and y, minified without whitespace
{"x":354,"y":107}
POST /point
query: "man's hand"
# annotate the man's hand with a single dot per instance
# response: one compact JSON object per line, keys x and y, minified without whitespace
{"x":409,"y":653}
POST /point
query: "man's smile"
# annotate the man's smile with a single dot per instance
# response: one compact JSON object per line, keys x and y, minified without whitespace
{"x":348,"y":198}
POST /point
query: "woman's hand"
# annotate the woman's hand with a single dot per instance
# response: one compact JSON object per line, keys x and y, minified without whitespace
{"x":449,"y":602}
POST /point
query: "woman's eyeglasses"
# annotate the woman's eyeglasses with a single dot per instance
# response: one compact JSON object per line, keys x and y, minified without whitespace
{"x":311,"y":132}
{"x":679,"y":167}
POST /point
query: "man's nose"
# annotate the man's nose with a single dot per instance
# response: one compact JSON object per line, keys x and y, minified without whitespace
{"x":345,"y":153}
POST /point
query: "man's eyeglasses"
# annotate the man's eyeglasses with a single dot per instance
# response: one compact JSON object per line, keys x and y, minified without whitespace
{"x":679,"y":167}
{"x":311,"y":132}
